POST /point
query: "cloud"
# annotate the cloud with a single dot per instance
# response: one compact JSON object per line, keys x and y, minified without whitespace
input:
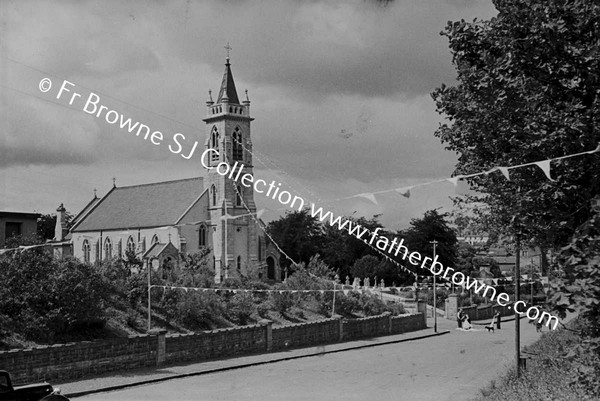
{"x":339,"y":89}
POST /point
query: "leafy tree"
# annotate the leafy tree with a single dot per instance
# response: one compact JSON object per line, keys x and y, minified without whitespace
{"x":527,"y":91}
{"x":46,"y":225}
{"x":298,"y":234}
{"x":342,"y":250}
{"x":464,"y":259}
{"x":22,"y":240}
{"x":432,"y":226}
{"x":365,"y":267}
{"x":45,"y":299}
{"x":578,"y":290}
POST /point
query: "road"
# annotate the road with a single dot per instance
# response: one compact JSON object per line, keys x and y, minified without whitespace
{"x":449,"y":367}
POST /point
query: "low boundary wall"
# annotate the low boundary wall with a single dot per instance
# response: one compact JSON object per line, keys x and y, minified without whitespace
{"x":485,"y":312}
{"x":89,"y":358}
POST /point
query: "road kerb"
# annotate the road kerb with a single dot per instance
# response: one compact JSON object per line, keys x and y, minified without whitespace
{"x":249,"y":364}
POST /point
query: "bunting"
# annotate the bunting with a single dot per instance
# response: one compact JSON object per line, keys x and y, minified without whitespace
{"x":544,"y":165}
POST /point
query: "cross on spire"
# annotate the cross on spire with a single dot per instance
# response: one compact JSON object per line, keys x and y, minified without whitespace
{"x":228,"y":49}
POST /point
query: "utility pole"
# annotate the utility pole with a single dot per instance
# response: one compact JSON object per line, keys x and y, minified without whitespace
{"x":148,"y":267}
{"x":434,"y":242}
{"x":517,"y":295}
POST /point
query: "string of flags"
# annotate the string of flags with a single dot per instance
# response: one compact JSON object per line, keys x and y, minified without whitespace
{"x":544,"y":165}
{"x":344,"y":290}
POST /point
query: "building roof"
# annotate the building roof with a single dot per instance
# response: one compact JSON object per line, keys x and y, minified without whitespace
{"x":23,"y":215}
{"x":142,"y":206}
{"x":228,"y":86}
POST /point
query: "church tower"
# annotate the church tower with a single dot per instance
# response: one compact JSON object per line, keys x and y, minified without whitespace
{"x":235,"y":243}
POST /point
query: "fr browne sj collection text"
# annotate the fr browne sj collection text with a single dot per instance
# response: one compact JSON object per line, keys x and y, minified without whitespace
{"x":92,"y":105}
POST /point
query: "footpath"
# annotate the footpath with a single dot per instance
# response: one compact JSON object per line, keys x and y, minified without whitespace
{"x":130,"y":378}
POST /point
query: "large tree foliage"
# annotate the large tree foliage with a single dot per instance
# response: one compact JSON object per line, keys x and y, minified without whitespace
{"x":432,"y":226}
{"x":528,"y":90}
{"x":340,"y":250}
{"x":43,"y":299}
{"x":46,"y":225}
{"x":578,"y":290}
{"x":298,"y":234}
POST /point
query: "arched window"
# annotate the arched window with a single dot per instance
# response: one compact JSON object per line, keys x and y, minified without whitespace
{"x":98,"y":248}
{"x":214,"y":143}
{"x":202,"y":235}
{"x":86,"y":251}
{"x":213,"y":193}
{"x":155,"y":239}
{"x":238,"y":196}
{"x":239,"y":262}
{"x":120,"y":248}
{"x":131,"y":245}
{"x":143,"y":245}
{"x":259,"y":248}
{"x":238,"y":148}
{"x":107,"y":248}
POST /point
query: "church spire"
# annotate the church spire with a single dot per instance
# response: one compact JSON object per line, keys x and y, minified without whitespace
{"x":227,"y":93}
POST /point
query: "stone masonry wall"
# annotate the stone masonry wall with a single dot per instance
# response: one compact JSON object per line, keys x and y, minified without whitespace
{"x":215,"y":344}
{"x":89,"y":358}
{"x":75,"y":360}
{"x":306,"y":334}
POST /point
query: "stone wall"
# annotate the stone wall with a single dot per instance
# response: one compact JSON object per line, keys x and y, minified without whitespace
{"x":306,"y":334}
{"x":75,"y":360}
{"x":89,"y":358}
{"x":215,"y":344}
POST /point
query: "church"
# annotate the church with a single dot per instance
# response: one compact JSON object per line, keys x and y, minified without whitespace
{"x":162,"y":221}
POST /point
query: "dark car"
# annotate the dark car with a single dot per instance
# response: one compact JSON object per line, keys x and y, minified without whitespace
{"x":30,"y":392}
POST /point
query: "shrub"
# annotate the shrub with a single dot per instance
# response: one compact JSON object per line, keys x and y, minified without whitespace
{"x":240,"y":308}
{"x":372,"y":305}
{"x":47,"y":299}
{"x":282,"y":302}
{"x":263,"y":309}
{"x":347,"y":304}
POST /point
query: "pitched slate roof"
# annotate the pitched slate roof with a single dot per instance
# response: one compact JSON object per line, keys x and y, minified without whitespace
{"x":228,"y":86}
{"x":138,"y":206}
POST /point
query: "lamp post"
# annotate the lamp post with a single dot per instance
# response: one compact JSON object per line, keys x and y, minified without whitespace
{"x":434,"y":243}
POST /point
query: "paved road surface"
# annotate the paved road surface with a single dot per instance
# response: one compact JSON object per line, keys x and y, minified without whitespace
{"x":450,"y":367}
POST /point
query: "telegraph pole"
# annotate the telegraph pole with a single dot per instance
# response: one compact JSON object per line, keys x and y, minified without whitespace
{"x":434,"y":243}
{"x":517,"y":295}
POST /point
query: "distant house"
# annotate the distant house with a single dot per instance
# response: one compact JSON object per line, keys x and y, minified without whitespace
{"x":473,"y":237}
{"x":17,"y":223}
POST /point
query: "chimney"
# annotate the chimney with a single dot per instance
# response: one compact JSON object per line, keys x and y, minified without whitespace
{"x":61,"y":225}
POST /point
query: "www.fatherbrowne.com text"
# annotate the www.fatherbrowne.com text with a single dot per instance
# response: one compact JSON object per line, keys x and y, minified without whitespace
{"x":394,"y":247}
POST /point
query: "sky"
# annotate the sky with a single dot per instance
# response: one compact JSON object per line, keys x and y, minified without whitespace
{"x":339,"y":90}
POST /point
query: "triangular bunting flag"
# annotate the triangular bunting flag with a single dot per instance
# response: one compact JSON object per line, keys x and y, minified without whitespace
{"x":369,"y":196}
{"x":260,"y":213}
{"x":322,"y":291}
{"x":346,"y":292}
{"x":404,"y":191}
{"x":454,"y":180}
{"x":545,"y":166}
{"x":504,"y":171}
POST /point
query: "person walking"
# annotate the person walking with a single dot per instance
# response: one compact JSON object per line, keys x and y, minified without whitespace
{"x":460,"y":317}
{"x":497,"y":317}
